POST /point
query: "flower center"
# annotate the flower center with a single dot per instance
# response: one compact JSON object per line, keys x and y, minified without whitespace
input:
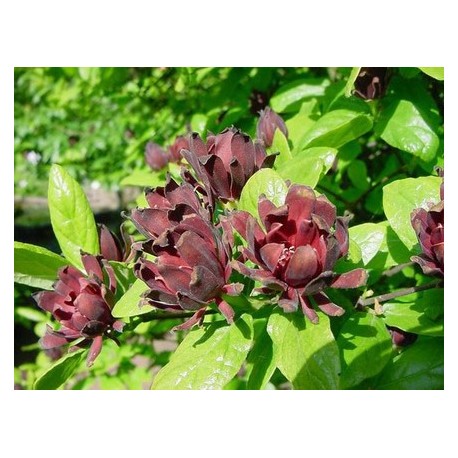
{"x":285,"y":256}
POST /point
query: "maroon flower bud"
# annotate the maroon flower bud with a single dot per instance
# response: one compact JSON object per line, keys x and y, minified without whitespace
{"x":155,"y":156}
{"x":180,"y":143}
{"x":82,"y":305}
{"x":371,"y":82}
{"x":110,"y":246}
{"x":226,"y":162}
{"x":268,"y":123}
{"x":429,"y":227}
{"x":401,"y":338}
{"x":190,"y":272}
{"x":168,"y":206}
{"x":297,"y":252}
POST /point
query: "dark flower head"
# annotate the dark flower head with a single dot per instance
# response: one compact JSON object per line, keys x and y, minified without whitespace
{"x":155,"y":156}
{"x":110,"y":246}
{"x":82,"y":305}
{"x":297,"y":252}
{"x":226,"y":162}
{"x":401,"y":338}
{"x":191,"y":270}
{"x":168,"y":205}
{"x":429,"y":227}
{"x":371,"y":82}
{"x":268,"y":123}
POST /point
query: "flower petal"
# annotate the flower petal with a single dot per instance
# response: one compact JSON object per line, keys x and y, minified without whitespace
{"x":327,"y":306}
{"x":94,"y":351}
{"x":302,"y":266}
{"x":353,"y":279}
{"x":270,"y":254}
{"x":308,"y":310}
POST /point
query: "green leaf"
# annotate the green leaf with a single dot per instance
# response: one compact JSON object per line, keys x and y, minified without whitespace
{"x":290,"y":96}
{"x":351,"y":81}
{"x":280,"y":144}
{"x":308,"y":166}
{"x":36,"y":266}
{"x":60,"y":371}
{"x":301,"y":122}
{"x":125,"y":277}
{"x":129,"y":303}
{"x":260,"y":361}
{"x":71,"y":216}
{"x":418,"y":367}
{"x":144,"y":178}
{"x":410,"y":119}
{"x":369,"y":237}
{"x":199,"y":123}
{"x":401,"y":197}
{"x":264,"y":181}
{"x":419,"y":313}
{"x":365,"y":346}
{"x":357,"y":172}
{"x":336,"y":128}
{"x":435,"y":72}
{"x":306,"y":353}
{"x":208,"y":357}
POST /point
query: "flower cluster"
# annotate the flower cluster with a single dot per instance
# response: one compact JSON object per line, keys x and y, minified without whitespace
{"x":192,"y":266}
{"x":297,"y":252}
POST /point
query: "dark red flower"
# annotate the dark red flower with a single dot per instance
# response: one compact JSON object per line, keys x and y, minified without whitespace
{"x":371,"y":82}
{"x":225,"y":162}
{"x":429,"y":227}
{"x":191,"y":270}
{"x":401,"y":338}
{"x":110,"y":246}
{"x":82,"y":305}
{"x":155,"y":156}
{"x":168,"y":205}
{"x":268,"y":123}
{"x":297,"y":252}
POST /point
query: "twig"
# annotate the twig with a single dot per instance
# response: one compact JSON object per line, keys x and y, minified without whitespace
{"x":394,"y":270}
{"x":401,"y":292}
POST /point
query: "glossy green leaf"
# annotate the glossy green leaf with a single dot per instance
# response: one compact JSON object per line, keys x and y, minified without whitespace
{"x":36,"y":266}
{"x":301,"y":123}
{"x":435,"y":72}
{"x":419,"y":367}
{"x":365,"y":346}
{"x":420,"y":313}
{"x":290,"y":96}
{"x":144,"y":178}
{"x":336,"y":128}
{"x":129,"y":303}
{"x":199,"y":123}
{"x":308,"y":166}
{"x":280,"y":145}
{"x":267,"y":182}
{"x":369,"y":237}
{"x":407,"y":130}
{"x":60,"y":371}
{"x":351,"y":81}
{"x":208,"y":357}
{"x":260,"y":362}
{"x":71,"y":216}
{"x":306,"y":353}
{"x":401,"y":197}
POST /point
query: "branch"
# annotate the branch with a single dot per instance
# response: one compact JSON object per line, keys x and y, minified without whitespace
{"x":401,"y":292}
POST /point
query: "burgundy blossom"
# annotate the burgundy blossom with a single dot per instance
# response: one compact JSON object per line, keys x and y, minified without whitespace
{"x":297,"y":252}
{"x":110,"y":246}
{"x":429,"y":228}
{"x":371,"y":82}
{"x":225,"y":162}
{"x":268,"y":123}
{"x":82,"y":305}
{"x":401,"y":338}
{"x":168,"y":205}
{"x":155,"y":156}
{"x":191,"y":270}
